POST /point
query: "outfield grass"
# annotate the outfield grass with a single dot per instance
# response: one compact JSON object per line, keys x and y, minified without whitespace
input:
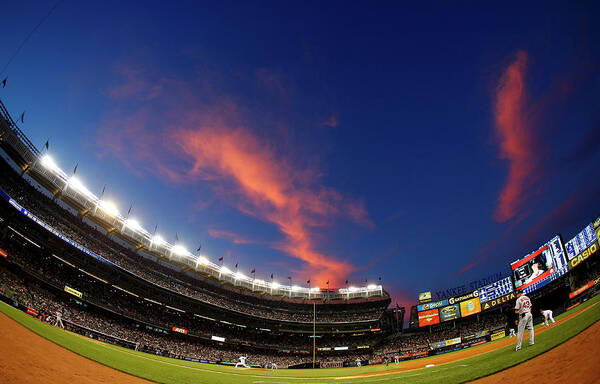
{"x":166,"y":370}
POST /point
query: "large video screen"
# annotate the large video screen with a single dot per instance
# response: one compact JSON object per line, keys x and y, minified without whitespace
{"x":532,"y":269}
{"x":430,"y":317}
{"x":540,"y":267}
{"x":495,"y":290}
{"x":581,"y":242}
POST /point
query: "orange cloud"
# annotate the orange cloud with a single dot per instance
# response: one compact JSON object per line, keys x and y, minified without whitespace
{"x":516,"y":141}
{"x":183,"y":140}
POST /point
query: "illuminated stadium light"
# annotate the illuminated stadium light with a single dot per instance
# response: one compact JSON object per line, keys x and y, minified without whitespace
{"x":315,"y":289}
{"x":48,"y":162}
{"x":372,"y":286}
{"x":275,"y":285}
{"x":225,"y":270}
{"x":179,"y":250}
{"x":240,"y":275}
{"x":133,"y":224}
{"x":201,"y":260}
{"x":353,"y":289}
{"x":76,"y":184}
{"x":158,"y":240}
{"x":109,"y":207}
{"x":296,"y":288}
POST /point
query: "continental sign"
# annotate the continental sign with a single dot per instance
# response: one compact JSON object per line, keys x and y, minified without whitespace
{"x":467,"y":296}
{"x":583,"y":255}
{"x":497,"y":335}
{"x":73,"y":292}
{"x":499,"y":301}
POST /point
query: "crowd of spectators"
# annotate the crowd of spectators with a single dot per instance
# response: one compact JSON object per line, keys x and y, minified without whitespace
{"x":421,"y":341}
{"x":78,"y":317}
{"x":87,"y":235}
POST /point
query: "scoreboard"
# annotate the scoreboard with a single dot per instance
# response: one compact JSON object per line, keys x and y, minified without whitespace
{"x":495,"y":290}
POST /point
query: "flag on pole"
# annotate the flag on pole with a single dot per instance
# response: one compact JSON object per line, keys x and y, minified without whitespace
{"x":4,"y":82}
{"x":199,"y":248}
{"x":346,"y":282}
{"x":103,"y":188}
{"x":253,"y":270}
{"x":176,"y":237}
{"x":236,"y":264}
{"x":308,"y":281}
{"x":271,"y":276}
{"x":221,"y":258}
{"x":47,"y":145}
{"x":155,"y":228}
{"x":129,"y":211}
{"x":22,"y":118}
{"x":75,"y":169}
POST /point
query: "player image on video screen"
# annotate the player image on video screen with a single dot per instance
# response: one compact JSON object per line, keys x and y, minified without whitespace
{"x":528,"y":272}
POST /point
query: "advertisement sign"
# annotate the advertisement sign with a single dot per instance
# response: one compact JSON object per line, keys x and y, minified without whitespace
{"x":179,"y":330}
{"x":579,"y":291}
{"x":497,"y":335}
{"x":437,"y":345}
{"x":73,"y":292}
{"x":499,"y":301}
{"x":495,"y":290}
{"x":581,"y":242}
{"x":332,"y":364}
{"x":450,"y":312}
{"x":424,"y":297}
{"x":532,"y":269}
{"x":432,"y":305}
{"x":430,"y":317}
{"x":584,"y":255}
{"x":467,"y":296}
{"x":470,"y":307}
{"x":454,"y":341}
{"x":32,"y":312}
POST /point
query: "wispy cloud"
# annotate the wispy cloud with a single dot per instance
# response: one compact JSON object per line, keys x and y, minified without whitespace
{"x":332,"y":121}
{"x":175,"y":135}
{"x":231,"y":236}
{"x":515,"y":139}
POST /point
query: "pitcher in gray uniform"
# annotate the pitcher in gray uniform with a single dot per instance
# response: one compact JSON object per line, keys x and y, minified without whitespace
{"x":523,"y":309}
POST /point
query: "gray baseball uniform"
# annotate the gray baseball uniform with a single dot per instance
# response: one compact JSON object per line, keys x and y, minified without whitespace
{"x":523,"y":305}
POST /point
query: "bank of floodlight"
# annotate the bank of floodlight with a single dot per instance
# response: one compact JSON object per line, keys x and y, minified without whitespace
{"x":158,"y":240}
{"x":108,"y":207}
{"x":240,"y":276}
{"x":133,"y":224}
{"x":48,"y":163}
{"x":225,"y":270}
{"x":372,"y":287}
{"x":179,"y":250}
{"x":275,"y":285}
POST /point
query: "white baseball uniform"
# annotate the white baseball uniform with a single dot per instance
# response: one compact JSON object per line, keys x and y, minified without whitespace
{"x":512,"y":333}
{"x":242,"y":362}
{"x":358,"y":363}
{"x":548,"y":315}
{"x":523,"y":305}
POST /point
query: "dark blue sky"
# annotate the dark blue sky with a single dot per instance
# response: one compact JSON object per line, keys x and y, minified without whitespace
{"x":429,"y":145}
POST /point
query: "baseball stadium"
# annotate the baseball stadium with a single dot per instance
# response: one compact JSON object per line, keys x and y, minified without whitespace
{"x":341,"y":275}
